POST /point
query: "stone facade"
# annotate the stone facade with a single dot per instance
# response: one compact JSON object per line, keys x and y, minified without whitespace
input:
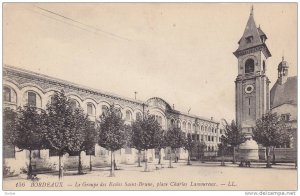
{"x":21,"y":87}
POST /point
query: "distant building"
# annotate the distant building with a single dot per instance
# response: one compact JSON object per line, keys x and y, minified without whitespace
{"x":283,"y":100}
{"x":22,"y":87}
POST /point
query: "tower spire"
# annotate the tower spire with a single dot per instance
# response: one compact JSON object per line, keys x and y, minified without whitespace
{"x":252,"y":9}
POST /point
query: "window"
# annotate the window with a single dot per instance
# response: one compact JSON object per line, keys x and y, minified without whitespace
{"x":189,"y":126}
{"x":104,"y":109}
{"x":91,"y":151}
{"x":178,"y":124}
{"x":249,"y":112}
{"x":209,"y":138}
{"x":285,"y":117}
{"x":264,"y":66}
{"x":160,"y":120}
{"x":73,"y":103}
{"x":138,"y":116}
{"x":90,"y":109}
{"x":172,"y":123}
{"x":119,"y":113}
{"x":249,"y":66}
{"x":128,"y":115}
{"x":6,"y":94}
{"x":36,"y":154}
{"x":9,"y":151}
{"x":53,"y":153}
{"x":31,"y":99}
{"x":249,"y":39}
{"x":184,"y":125}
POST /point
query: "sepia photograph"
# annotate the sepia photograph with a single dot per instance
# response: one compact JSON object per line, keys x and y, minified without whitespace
{"x":149,"y":96}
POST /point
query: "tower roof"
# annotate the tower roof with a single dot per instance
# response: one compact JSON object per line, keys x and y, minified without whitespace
{"x":284,"y":93}
{"x":252,"y":36}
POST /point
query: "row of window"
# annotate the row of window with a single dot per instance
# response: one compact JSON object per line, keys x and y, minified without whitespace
{"x":189,"y":126}
{"x":206,"y":138}
{"x":33,"y":99}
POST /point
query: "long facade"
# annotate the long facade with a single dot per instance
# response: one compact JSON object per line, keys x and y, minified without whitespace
{"x":22,"y":87}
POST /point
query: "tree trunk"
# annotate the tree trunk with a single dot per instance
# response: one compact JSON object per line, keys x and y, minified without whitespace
{"x":139,"y":158}
{"x":159,"y":156}
{"x":268,"y":157}
{"x":112,"y":167}
{"x":115,"y":164}
{"x":175,"y":156}
{"x":146,"y":160}
{"x":91,"y":167}
{"x":233,"y":155}
{"x":222,"y":161}
{"x":170,"y":161}
{"x":60,"y":168}
{"x":79,"y":164}
{"x":29,"y":172}
{"x":189,"y":158}
{"x":273,"y":161}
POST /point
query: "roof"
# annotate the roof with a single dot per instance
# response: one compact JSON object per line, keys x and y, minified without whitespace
{"x":284,"y":93}
{"x":255,"y":34}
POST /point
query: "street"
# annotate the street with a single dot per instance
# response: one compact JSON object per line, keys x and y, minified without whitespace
{"x":199,"y":176}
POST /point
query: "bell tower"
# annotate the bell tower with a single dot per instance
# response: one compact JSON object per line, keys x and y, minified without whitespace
{"x":252,"y":84}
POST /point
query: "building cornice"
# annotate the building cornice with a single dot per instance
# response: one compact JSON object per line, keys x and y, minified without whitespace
{"x":63,"y":83}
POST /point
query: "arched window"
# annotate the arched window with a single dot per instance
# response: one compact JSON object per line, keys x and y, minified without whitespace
{"x":119,"y":113}
{"x":91,"y":109}
{"x":138,"y":116}
{"x":249,"y":66}
{"x":104,"y":109}
{"x":128,"y":115}
{"x":189,"y":126}
{"x":160,"y":120}
{"x":172,"y":123}
{"x":9,"y":95}
{"x":74,"y":103}
{"x":178,"y":124}
{"x":32,"y":99}
{"x":184,"y":125}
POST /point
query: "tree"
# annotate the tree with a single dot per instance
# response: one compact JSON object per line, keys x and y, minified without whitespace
{"x":188,"y":145}
{"x":90,"y":139}
{"x":85,"y":134}
{"x":9,"y":125}
{"x":233,"y":136}
{"x":200,"y":146}
{"x":145,"y":134}
{"x":160,"y":143}
{"x":174,"y":139}
{"x":28,"y":132}
{"x":64,"y":126}
{"x":271,"y":130}
{"x":222,"y":147}
{"x":112,"y":133}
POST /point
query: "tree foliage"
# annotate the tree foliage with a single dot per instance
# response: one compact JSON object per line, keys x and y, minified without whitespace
{"x":29,"y":130}
{"x":271,"y":130}
{"x":112,"y":131}
{"x":232,"y":134}
{"x":9,"y":125}
{"x":146,"y":133}
{"x":64,"y":124}
{"x":175,"y":138}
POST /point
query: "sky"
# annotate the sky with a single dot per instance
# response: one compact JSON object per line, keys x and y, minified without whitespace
{"x":180,"y":52}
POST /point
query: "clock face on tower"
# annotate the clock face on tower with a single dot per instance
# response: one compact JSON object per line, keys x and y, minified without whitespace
{"x":249,"y":88}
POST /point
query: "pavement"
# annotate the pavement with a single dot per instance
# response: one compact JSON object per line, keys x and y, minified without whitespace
{"x":198,"y":176}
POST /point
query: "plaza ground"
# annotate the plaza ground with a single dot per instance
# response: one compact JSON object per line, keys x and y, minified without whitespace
{"x":198,"y":176}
